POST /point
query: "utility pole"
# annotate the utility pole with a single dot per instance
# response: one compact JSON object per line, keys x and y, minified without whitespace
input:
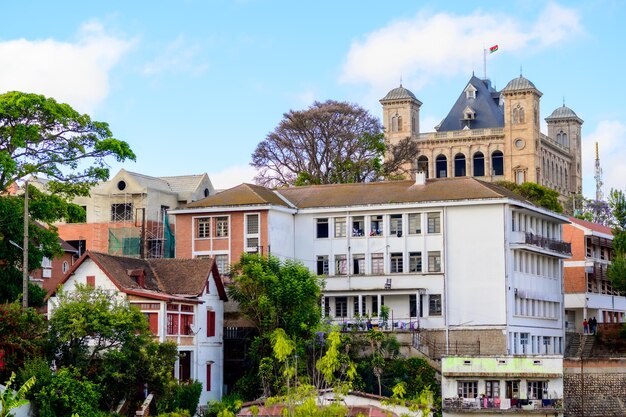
{"x":25,"y":249}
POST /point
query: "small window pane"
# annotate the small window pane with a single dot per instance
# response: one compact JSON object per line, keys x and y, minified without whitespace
{"x":434,"y":261}
{"x":358,"y":226}
{"x":396,"y":263}
{"x":434,"y":305}
{"x":415,"y":262}
{"x":376,"y":225}
{"x":204,"y":228}
{"x":341,"y":265}
{"x":395,"y":224}
{"x":377,"y":263}
{"x":434,"y":222}
{"x":322,"y":265}
{"x":322,"y":228}
{"x":415,"y":224}
{"x":221,"y":227}
{"x":340,"y":227}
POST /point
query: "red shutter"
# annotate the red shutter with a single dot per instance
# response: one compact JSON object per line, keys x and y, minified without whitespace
{"x":153,"y":319}
{"x":91,"y":281}
{"x":208,"y":377}
{"x":210,"y":323}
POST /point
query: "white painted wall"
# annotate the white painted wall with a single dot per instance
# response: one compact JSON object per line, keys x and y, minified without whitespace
{"x":281,"y":234}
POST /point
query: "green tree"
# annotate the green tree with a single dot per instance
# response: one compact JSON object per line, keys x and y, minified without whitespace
{"x":10,"y":399}
{"x":617,"y":269}
{"x":536,"y":194}
{"x":330,"y":142}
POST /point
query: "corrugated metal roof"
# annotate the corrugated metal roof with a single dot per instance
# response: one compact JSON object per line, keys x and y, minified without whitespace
{"x":519,"y":83}
{"x":563,"y":112}
{"x":400,"y":93}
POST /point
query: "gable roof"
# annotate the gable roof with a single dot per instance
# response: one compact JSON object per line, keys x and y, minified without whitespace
{"x":241,"y":195}
{"x":182,"y":279}
{"x":391,"y":192}
{"x":486,"y":106}
{"x":594,"y":227}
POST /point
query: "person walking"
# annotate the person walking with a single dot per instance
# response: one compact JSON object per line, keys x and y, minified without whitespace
{"x":585,"y":326}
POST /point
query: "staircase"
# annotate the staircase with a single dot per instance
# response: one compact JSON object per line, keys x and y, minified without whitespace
{"x":587,"y":345}
{"x":572,"y":345}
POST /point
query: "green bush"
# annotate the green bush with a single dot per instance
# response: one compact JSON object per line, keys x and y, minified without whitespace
{"x":183,"y":398}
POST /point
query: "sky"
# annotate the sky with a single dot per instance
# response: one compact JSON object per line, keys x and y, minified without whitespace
{"x":194,"y":85}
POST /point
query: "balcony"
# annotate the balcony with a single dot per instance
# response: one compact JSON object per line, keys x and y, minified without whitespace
{"x":542,"y":242}
{"x":498,"y":406}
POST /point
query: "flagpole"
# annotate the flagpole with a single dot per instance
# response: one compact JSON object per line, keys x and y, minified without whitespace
{"x":485,"y":62}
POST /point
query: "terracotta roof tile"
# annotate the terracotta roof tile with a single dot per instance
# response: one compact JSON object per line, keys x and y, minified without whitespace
{"x":592,"y":226}
{"x":241,"y":195}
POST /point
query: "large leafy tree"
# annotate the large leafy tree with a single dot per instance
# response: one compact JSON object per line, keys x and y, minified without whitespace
{"x":330,"y":142}
{"x":617,"y":268}
{"x":537,"y":194}
{"x":39,"y":136}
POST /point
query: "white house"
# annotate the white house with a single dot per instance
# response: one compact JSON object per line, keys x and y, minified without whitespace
{"x":181,"y":298}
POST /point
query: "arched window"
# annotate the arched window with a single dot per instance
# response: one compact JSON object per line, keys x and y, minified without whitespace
{"x":521,"y":115}
{"x":515,"y":115}
{"x":565,"y":140}
{"x":497,"y":163}
{"x":459,"y":165}
{"x":399,"y":123}
{"x":559,"y":138}
{"x":394,"y":123}
{"x":422,"y":164}
{"x":413,"y":126}
{"x":479,"y":164}
{"x":441,"y":166}
{"x":566,"y":179}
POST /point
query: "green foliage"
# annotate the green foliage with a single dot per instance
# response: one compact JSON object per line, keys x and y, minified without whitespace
{"x":40,"y":136}
{"x":617,"y":269}
{"x":536,"y":194}
{"x":23,"y":336}
{"x":229,"y":406}
{"x":10,"y":399}
{"x":184,"y":398}
{"x":69,"y":392}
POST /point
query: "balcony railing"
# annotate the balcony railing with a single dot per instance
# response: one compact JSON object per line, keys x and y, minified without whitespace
{"x":548,"y":243}
{"x":498,"y":405}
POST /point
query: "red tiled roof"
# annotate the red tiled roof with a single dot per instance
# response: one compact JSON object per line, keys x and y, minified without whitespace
{"x":592,"y":226}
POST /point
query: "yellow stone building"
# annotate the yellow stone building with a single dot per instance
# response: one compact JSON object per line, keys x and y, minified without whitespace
{"x":492,"y":135}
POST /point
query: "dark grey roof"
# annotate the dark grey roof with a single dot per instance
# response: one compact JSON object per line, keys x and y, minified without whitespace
{"x":488,"y":111}
{"x":563,"y":112}
{"x":519,"y":83}
{"x":400,"y":93}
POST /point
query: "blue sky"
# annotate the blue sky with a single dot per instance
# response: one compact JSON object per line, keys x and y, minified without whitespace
{"x":193,"y":86}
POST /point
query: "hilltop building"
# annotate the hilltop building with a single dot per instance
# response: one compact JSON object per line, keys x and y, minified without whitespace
{"x":492,"y":135}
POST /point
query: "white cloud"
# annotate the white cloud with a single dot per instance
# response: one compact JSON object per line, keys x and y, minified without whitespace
{"x":611,"y":138}
{"x":73,"y":72}
{"x":178,"y":56}
{"x":232,"y":176}
{"x":431,"y":45}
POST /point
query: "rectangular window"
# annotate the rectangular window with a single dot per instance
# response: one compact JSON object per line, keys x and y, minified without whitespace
{"x":221,"y":227}
{"x":253,"y":232}
{"x":413,"y":305}
{"x":537,"y":390}
{"x":341,"y":306}
{"x":91,"y":281}
{"x":434,"y":305}
{"x":222,"y":264}
{"x":512,"y":389}
{"x":378,"y":264}
{"x":415,"y":261}
{"x":358,"y":264}
{"x":340,"y":227}
{"x":376,"y":225}
{"x":395,"y":225}
{"x":523,"y":340}
{"x":121,"y":212}
{"x":492,"y":389}
{"x":203,"y":227}
{"x":208,"y":377}
{"x":321,"y":228}
{"x":374,"y":305}
{"x":396,"y":263}
{"x":210,"y":323}
{"x":186,"y":322}
{"x":326,"y":306}
{"x":358,"y":226}
{"x":415,"y":224}
{"x":434,"y":261}
{"x":172,"y":323}
{"x":322,"y":265}
{"x":341,"y":265}
{"x":468,"y":389}
{"x":252,"y":224}
{"x":434,"y":222}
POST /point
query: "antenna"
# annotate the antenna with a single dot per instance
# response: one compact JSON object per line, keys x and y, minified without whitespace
{"x":598,"y":176}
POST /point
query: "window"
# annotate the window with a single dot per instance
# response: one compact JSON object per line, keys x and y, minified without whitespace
{"x":203,"y":228}
{"x":470,"y":92}
{"x":537,"y":390}
{"x":172,"y":323}
{"x":322,"y":228}
{"x":341,"y":265}
{"x":415,"y":223}
{"x":378,"y":263}
{"x":91,"y":281}
{"x":395,"y":225}
{"x":186,"y":321}
{"x":222,"y":264}
{"x":121,"y":212}
{"x":65,"y":267}
{"x":413,"y":305}
{"x":434,"y":261}
{"x":253,"y":232}
{"x":326,"y":306}
{"x":468,"y":389}
{"x":415,"y":261}
{"x":358,"y":226}
{"x":520,"y":176}
{"x":396,"y":265}
{"x":434,"y":222}
{"x":422,"y":164}
{"x":221,"y":227}
{"x":374,"y":305}
{"x":492,"y":389}
{"x":376,"y":225}
{"x":322,"y":265}
{"x":208,"y":377}
{"x":358,"y":264}
{"x":497,"y":163}
{"x":340,"y":227}
{"x":459,"y":165}
{"x":523,"y":340}
{"x":434,"y":305}
{"x":210,"y":323}
{"x":153,"y":322}
{"x":441,"y":166}
{"x":341,"y":306}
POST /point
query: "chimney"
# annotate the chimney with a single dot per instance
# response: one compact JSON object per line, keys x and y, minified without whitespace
{"x":138,"y":276}
{"x":420,"y":178}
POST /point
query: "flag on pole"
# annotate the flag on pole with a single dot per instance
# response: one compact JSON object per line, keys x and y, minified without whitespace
{"x":493,"y":49}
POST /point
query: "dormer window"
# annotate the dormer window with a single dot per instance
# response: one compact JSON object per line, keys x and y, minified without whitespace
{"x":469,"y":114}
{"x":138,"y":276}
{"x":470,"y":92}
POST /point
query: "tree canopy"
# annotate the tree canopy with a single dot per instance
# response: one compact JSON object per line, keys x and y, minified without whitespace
{"x":40,"y":136}
{"x":617,"y":269}
{"x":330,"y":142}
{"x":537,"y":194}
